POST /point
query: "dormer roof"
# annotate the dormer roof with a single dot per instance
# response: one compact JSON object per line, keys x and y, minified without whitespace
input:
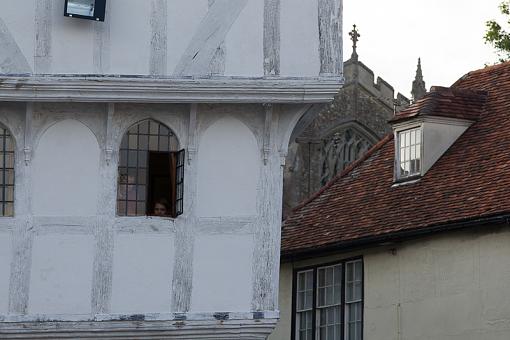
{"x":448,"y":102}
{"x":467,"y":186}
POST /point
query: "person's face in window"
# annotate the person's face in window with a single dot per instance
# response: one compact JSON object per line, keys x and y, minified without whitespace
{"x":159,"y":209}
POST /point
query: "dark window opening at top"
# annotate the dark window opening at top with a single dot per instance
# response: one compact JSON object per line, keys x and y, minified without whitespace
{"x":85,"y":9}
{"x":151,"y":172}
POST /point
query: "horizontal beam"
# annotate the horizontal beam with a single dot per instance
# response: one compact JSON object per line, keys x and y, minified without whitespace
{"x":111,"y":89}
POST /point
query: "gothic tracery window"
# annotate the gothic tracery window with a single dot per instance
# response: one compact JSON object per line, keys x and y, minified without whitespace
{"x":341,"y":149}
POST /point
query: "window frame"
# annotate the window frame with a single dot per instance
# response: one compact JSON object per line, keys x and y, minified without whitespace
{"x":315,"y":269}
{"x":176,"y":197}
{"x":397,"y":170}
{"x":7,"y":134}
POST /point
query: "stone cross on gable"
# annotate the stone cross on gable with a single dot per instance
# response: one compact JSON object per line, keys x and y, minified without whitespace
{"x":355,"y":38}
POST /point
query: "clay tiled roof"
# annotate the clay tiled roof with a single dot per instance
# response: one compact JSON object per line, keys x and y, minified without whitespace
{"x":447,"y":102}
{"x":470,"y":182}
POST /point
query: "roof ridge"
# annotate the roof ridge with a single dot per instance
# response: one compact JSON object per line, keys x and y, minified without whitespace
{"x":486,"y":69}
{"x":346,"y":171}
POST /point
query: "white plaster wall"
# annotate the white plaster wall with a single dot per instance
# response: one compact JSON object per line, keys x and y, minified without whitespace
{"x":299,"y":38}
{"x":73,"y":43}
{"x":129,"y":39}
{"x":245,"y":44}
{"x":182,"y":26}
{"x":437,"y":140}
{"x":5,"y":269}
{"x":142,"y":273}
{"x":228,"y":170}
{"x":66,"y":171}
{"x":222,"y":280}
{"x":18,"y":16}
{"x":451,"y":286}
{"x":61,"y":275}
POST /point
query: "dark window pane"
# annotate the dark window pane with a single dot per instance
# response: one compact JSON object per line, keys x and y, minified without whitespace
{"x":153,"y":143}
{"x":121,"y":208}
{"x":141,"y":194}
{"x":154,"y":128}
{"x":142,"y":159}
{"x":133,"y":142}
{"x":131,"y":209}
{"x":132,"y":159}
{"x":131,"y":193}
{"x":143,"y":142}
{"x":140,"y":208}
{"x":144,"y":127}
{"x":142,"y":176}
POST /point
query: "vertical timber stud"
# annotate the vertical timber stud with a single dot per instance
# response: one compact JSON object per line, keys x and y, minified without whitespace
{"x":27,"y":148}
{"x":272,"y":37}
{"x":22,"y":234}
{"x":267,"y":231}
{"x":218,"y":61}
{"x":158,"y":44}
{"x":43,"y":36}
{"x":330,"y":37}
{"x":183,"y":269}
{"x":268,"y":108}
{"x":101,"y":55}
{"x":103,"y":228}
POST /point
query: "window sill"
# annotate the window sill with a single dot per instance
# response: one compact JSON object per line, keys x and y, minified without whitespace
{"x":406,"y":181}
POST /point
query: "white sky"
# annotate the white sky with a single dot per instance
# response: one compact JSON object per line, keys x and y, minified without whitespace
{"x":446,"y":34}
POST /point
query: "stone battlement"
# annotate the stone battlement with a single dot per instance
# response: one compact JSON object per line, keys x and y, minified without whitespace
{"x":356,"y":71}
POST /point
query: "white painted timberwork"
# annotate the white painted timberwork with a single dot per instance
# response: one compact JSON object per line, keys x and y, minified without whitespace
{"x":213,"y":72}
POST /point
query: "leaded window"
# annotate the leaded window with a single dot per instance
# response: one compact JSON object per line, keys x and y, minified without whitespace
{"x":6,"y":172}
{"x":151,"y":172}
{"x":409,"y":153}
{"x":329,"y":302}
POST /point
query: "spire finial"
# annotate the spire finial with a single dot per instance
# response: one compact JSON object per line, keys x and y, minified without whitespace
{"x":419,"y":89}
{"x":355,"y":38}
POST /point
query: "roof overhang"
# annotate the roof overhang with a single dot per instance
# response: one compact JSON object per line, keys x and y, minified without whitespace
{"x":393,"y":237}
{"x":141,"y":89}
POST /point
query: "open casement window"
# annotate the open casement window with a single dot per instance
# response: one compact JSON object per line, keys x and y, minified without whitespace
{"x":6,"y":173}
{"x":328,"y":302}
{"x":151,"y":172}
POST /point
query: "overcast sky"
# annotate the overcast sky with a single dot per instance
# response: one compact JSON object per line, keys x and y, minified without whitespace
{"x":446,"y":34}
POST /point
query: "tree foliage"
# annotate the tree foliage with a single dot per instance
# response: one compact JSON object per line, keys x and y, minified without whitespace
{"x":497,"y":36}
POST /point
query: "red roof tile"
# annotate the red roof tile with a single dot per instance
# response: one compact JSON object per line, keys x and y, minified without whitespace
{"x":446,"y":102}
{"x":471,"y":180}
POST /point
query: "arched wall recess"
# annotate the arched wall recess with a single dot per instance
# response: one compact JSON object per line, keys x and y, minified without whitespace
{"x":228,"y":170}
{"x":66,"y":171}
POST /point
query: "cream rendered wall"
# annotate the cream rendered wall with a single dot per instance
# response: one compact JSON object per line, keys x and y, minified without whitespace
{"x":450,"y":286}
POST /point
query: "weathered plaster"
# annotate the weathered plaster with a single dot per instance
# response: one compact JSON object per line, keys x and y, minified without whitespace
{"x":330,"y":35}
{"x":204,"y":45}
{"x":272,"y":13}
{"x":43,"y":36}
{"x":12,"y":59}
{"x":102,"y":44}
{"x":158,"y":44}
{"x":453,"y":283}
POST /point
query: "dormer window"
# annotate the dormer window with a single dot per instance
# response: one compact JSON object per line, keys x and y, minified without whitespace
{"x":409,"y":153}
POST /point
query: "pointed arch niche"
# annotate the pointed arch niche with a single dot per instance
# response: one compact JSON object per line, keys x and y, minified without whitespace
{"x":66,"y":171}
{"x":342,"y":146}
{"x":228,"y":170}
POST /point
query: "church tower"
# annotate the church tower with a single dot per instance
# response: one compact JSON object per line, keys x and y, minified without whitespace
{"x":419,"y":89}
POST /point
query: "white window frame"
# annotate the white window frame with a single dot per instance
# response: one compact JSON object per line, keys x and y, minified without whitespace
{"x":413,"y":150}
{"x":340,"y":306}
